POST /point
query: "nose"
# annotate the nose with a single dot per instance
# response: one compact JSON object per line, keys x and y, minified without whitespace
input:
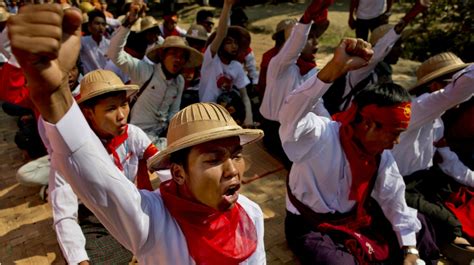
{"x":121,"y":114}
{"x":229,"y":169}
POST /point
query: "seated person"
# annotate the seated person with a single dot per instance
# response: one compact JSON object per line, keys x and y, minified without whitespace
{"x":197,"y":217}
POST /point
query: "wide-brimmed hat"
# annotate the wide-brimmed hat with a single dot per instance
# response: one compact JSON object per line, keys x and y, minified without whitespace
{"x":239,"y":34}
{"x":148,"y":22}
{"x":4,"y":15}
{"x":381,"y":30}
{"x":195,"y":57}
{"x":197,"y":32}
{"x":100,"y":82}
{"x":199,"y":123}
{"x":284,"y":25}
{"x":437,"y":66}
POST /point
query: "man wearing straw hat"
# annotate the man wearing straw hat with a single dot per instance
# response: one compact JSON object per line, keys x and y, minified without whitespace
{"x":161,"y":84}
{"x":438,"y":89}
{"x":196,"y":218}
{"x":103,"y":100}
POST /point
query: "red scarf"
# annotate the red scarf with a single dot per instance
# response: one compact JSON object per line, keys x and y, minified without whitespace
{"x":461,"y":204}
{"x":306,"y":63}
{"x":213,"y":237}
{"x":112,"y":145}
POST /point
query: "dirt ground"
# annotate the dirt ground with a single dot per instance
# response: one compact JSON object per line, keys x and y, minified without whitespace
{"x":26,"y":235}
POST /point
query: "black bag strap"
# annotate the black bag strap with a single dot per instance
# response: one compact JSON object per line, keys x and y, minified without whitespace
{"x":142,"y":88}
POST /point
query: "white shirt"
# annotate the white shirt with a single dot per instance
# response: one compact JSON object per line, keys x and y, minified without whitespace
{"x":93,"y":56}
{"x":368,"y":9}
{"x":415,"y":150}
{"x":250,"y":66}
{"x":161,"y":99}
{"x":139,"y":220}
{"x":65,"y":203}
{"x":283,"y":75}
{"x":321,"y":176}
{"x":112,"y":67}
{"x":217,"y":77}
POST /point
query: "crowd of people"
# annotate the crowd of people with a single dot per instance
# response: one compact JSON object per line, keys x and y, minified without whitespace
{"x":378,"y":173}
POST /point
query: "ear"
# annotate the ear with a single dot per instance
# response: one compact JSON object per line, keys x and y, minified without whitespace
{"x":88,"y":113}
{"x":178,"y":173}
{"x":368,"y":124}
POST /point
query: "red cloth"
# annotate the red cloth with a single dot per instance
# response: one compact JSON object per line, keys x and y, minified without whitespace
{"x":13,"y":87}
{"x":167,"y":33}
{"x":143,"y":178}
{"x":213,"y":237}
{"x":461,"y":204}
{"x":306,"y":63}
{"x":112,"y":145}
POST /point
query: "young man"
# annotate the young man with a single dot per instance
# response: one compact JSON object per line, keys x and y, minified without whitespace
{"x":205,"y":18}
{"x":103,"y":100}
{"x":161,"y":84}
{"x":170,"y":26}
{"x":94,"y":46}
{"x":346,"y":199}
{"x":430,"y":183}
{"x":196,"y":218}
{"x":221,"y":71}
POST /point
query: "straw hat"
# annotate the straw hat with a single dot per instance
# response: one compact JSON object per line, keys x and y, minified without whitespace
{"x":86,"y":7}
{"x":197,"y":32}
{"x":241,"y":35}
{"x":199,"y":123}
{"x":100,"y":82}
{"x":437,"y":66}
{"x":148,"y":22}
{"x":285,"y":25}
{"x":195,"y":57}
{"x":4,"y":15}
{"x":378,"y":33}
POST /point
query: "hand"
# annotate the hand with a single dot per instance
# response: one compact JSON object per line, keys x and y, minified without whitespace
{"x":351,"y":22}
{"x":134,"y":11}
{"x":84,"y":262}
{"x":46,"y":42}
{"x":314,"y":10}
{"x":410,"y":259}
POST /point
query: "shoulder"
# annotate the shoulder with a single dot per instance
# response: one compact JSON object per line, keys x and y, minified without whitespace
{"x":252,"y":208}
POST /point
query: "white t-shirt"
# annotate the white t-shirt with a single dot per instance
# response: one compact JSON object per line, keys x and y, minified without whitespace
{"x":369,"y":9}
{"x":217,"y":77}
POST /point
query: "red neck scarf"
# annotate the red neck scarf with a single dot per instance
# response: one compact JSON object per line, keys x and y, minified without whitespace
{"x":306,"y":63}
{"x":112,"y":145}
{"x":213,"y":237}
{"x":364,"y":166}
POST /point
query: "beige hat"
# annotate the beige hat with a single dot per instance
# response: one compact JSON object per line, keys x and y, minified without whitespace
{"x":199,"y":123}
{"x":378,"y":33}
{"x":195,"y":57}
{"x":286,"y":25}
{"x":86,"y":7}
{"x":197,"y":32}
{"x":437,"y":66}
{"x":99,"y":82}
{"x":4,"y":15}
{"x":148,"y":22}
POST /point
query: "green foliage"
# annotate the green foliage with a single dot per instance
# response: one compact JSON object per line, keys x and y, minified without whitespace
{"x":446,"y":26}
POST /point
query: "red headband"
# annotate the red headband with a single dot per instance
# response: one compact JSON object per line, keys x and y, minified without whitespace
{"x":391,"y":117}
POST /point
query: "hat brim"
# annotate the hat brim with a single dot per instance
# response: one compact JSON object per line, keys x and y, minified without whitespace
{"x":194,"y":60}
{"x":438,"y":73}
{"x":152,"y":26}
{"x":130,"y":89}
{"x":161,"y":159}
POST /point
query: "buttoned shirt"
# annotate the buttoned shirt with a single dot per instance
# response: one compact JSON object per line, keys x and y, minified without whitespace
{"x":321,"y":175}
{"x":93,"y":56}
{"x":138,"y":219}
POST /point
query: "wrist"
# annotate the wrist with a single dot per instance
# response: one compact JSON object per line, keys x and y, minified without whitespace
{"x":410,"y":250}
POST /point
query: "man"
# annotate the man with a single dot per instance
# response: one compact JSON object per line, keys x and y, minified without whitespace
{"x":103,"y":100}
{"x":205,"y":18}
{"x":220,"y":71}
{"x":198,"y":217}
{"x":368,"y":15}
{"x":94,"y":46}
{"x":170,"y":26}
{"x":430,"y":183}
{"x":161,"y":84}
{"x":346,"y":199}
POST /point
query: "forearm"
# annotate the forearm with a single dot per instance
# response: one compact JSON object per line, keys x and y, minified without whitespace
{"x":248,"y":110}
{"x":221,"y":31}
{"x":53,"y":106}
{"x":453,"y":167}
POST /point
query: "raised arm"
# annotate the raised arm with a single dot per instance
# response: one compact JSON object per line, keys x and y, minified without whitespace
{"x":221,"y":31}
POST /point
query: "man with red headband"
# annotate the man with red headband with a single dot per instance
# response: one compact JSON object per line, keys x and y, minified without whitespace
{"x":346,"y":198}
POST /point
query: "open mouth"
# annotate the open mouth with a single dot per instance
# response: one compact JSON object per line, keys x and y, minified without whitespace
{"x":232,"y":189}
{"x":231,"y":194}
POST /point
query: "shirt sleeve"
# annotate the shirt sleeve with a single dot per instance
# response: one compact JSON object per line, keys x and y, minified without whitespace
{"x":300,"y":127}
{"x":427,"y":107}
{"x":83,"y":161}
{"x":453,"y":167}
{"x":64,"y":203}
{"x":241,"y":79}
{"x":389,"y":192}
{"x":251,"y":67}
{"x":138,"y":70}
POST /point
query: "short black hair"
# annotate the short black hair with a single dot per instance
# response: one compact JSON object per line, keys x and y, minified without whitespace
{"x":180,"y":157}
{"x":238,"y":16}
{"x":383,"y":95}
{"x":92,"y":102}
{"x":95,"y":13}
{"x":279,"y":38}
{"x":203,"y":15}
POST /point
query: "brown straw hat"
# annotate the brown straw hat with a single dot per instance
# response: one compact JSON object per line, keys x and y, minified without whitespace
{"x":284,"y":25}
{"x":100,"y":82}
{"x":378,"y":33}
{"x":435,"y":67}
{"x":199,"y":123}
{"x":197,"y":32}
{"x":195,"y":57}
{"x":4,"y":15}
{"x":148,"y":22}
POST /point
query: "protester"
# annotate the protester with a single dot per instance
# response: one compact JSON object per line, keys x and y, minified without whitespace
{"x":368,"y":15}
{"x":161,"y":84}
{"x":103,"y":100}
{"x":170,"y":26}
{"x":205,"y":18}
{"x":196,"y":218}
{"x":431,"y":184}
{"x":346,"y":199}
{"x":94,"y":46}
{"x":221,"y":71}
